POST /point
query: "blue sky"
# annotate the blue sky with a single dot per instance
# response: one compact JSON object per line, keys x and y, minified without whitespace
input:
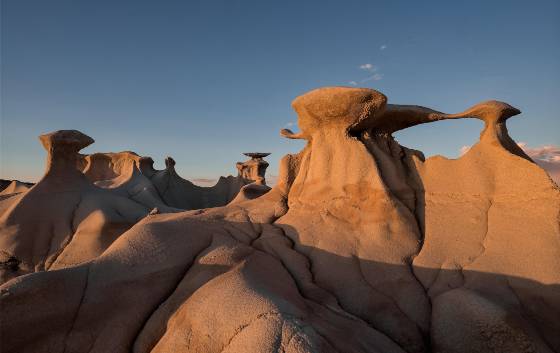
{"x":203,"y":81}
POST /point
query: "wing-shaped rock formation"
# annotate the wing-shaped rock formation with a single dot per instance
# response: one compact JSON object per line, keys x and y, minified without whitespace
{"x":361,"y":246}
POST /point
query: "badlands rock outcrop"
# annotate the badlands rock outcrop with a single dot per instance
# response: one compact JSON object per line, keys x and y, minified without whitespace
{"x":64,"y":219}
{"x":135,"y":176}
{"x":84,"y":202}
{"x":363,"y":245}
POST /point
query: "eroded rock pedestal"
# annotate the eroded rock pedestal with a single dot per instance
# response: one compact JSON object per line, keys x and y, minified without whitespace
{"x":64,"y":219}
{"x":362,"y":246}
{"x":254,"y":168}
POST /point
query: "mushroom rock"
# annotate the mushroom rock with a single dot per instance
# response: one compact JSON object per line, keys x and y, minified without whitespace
{"x":362,"y":246}
{"x":43,"y":225}
{"x":254,"y":169}
{"x":62,"y":154}
{"x":37,"y":224}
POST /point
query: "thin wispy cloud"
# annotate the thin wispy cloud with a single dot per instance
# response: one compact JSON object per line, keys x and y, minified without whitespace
{"x":290,"y":124}
{"x":374,"y":77}
{"x":353,"y":83}
{"x":383,"y":47}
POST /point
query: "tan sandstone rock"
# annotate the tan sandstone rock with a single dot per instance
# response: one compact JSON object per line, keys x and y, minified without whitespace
{"x":361,"y":246}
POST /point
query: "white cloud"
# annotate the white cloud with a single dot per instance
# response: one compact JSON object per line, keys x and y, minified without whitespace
{"x":290,"y":124}
{"x":368,"y":67}
{"x":353,"y":83}
{"x":383,"y":47}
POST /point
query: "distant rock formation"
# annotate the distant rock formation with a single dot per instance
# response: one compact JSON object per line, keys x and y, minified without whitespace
{"x":254,"y":168}
{"x":363,"y":245}
{"x":84,"y":202}
{"x":135,"y":176}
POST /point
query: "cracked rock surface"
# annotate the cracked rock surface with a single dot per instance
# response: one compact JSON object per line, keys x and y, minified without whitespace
{"x":362,"y":246}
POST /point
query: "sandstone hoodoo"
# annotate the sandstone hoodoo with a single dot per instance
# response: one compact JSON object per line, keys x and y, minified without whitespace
{"x":84,"y":202}
{"x":64,"y":219}
{"x":254,"y":168}
{"x":363,"y":245}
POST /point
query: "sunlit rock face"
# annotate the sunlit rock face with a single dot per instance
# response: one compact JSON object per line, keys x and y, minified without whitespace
{"x":363,"y":245}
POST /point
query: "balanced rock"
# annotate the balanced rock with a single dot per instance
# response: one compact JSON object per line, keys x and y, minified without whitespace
{"x":254,"y":168}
